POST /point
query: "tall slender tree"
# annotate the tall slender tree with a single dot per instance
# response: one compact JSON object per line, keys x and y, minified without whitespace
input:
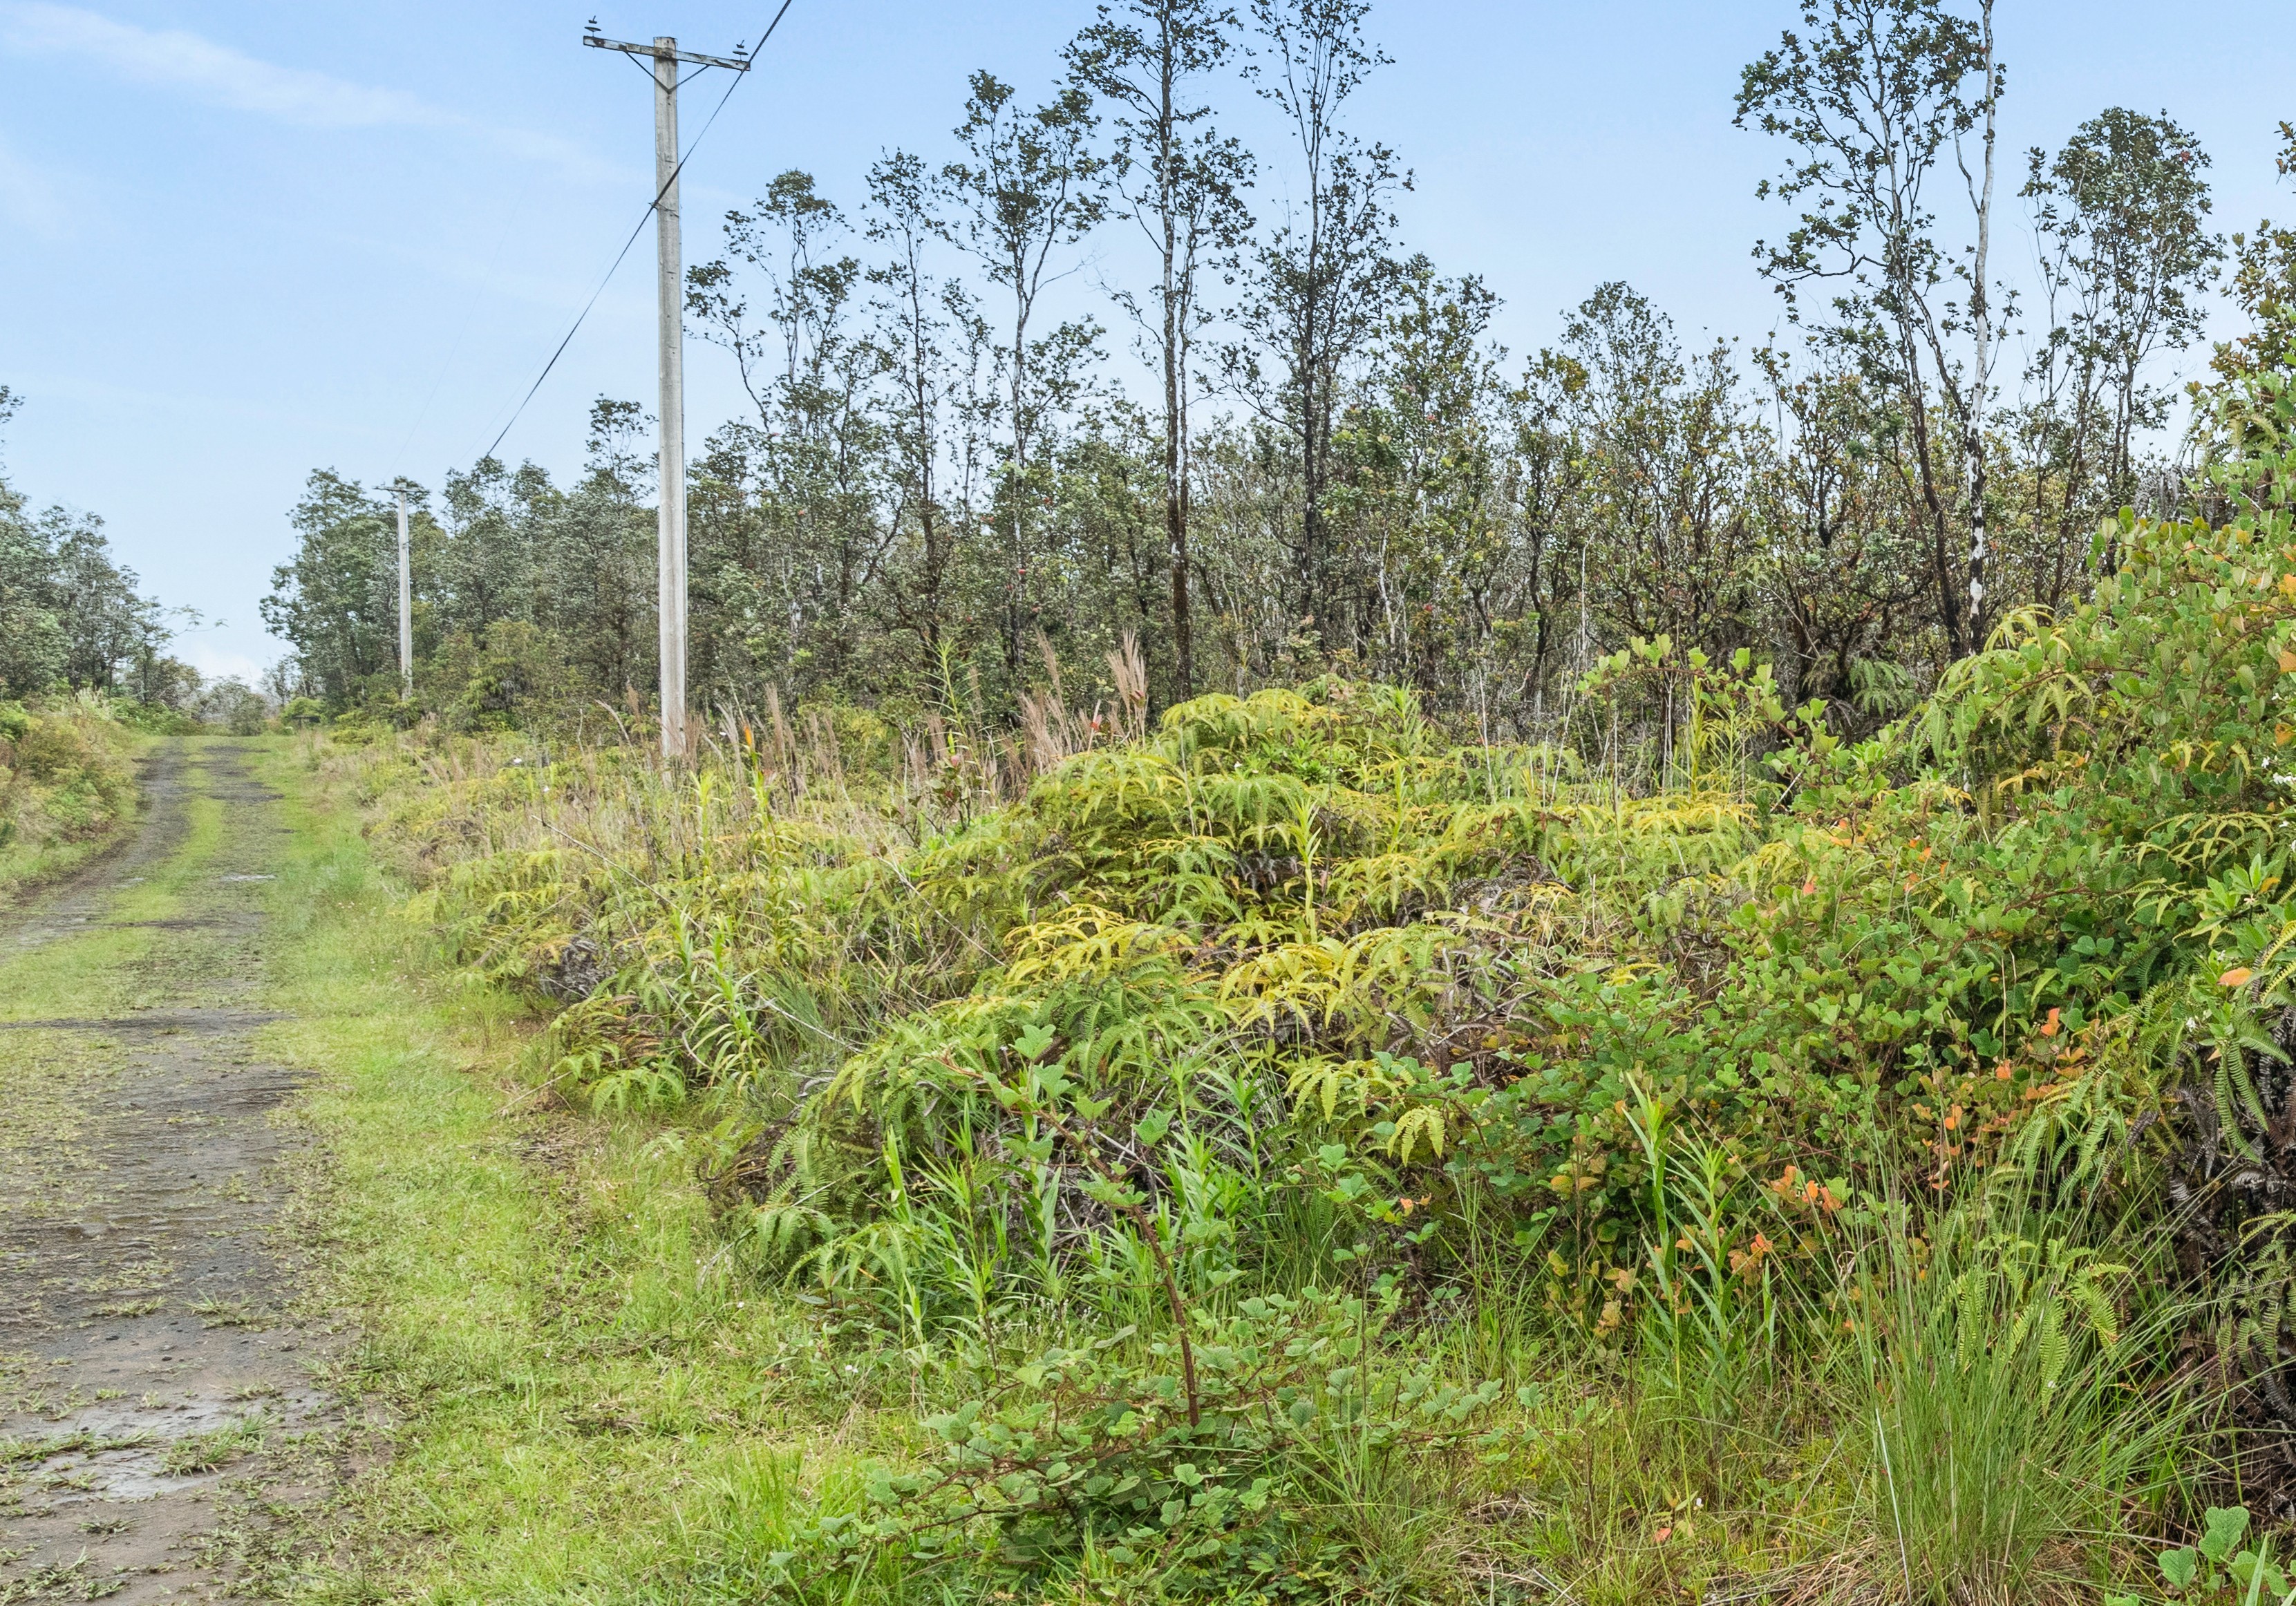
{"x":1323,"y":274}
{"x":916,"y":319}
{"x":2120,"y":215}
{"x":336,"y":601}
{"x":1027,"y":187}
{"x":783,"y":237}
{"x":1180,"y":182}
{"x":1875,"y":97}
{"x":1974,"y":396}
{"x":2264,"y":286}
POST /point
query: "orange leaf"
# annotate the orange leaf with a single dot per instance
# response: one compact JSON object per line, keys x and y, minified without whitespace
{"x":2236,"y":977}
{"x":2288,"y":663}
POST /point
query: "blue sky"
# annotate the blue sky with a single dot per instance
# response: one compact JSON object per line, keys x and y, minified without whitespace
{"x":242,"y":239}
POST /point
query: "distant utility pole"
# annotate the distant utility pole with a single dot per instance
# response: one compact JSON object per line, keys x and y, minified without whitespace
{"x":406,"y":605}
{"x":670,"y":287}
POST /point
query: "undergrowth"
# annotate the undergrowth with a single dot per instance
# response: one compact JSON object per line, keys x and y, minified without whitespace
{"x":66,"y":784}
{"x":1293,"y":1151}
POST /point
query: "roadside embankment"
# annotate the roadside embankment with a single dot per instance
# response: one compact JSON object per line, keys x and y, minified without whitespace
{"x":67,"y":787}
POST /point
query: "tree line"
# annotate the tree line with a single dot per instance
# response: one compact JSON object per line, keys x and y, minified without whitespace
{"x":944,"y":488}
{"x":72,"y":615}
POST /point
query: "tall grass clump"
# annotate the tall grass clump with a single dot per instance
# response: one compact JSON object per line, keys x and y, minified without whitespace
{"x":2011,"y":1397}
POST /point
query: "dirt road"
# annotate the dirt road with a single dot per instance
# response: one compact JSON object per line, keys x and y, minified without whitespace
{"x":157,"y":1406}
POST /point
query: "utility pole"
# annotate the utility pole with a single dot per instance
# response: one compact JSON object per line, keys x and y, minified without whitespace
{"x":670,"y":290}
{"x":406,"y":605}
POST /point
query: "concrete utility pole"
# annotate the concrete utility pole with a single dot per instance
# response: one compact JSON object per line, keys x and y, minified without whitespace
{"x":670,"y":288}
{"x":406,"y":605}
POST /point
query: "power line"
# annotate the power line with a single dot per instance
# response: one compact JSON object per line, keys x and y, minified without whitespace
{"x":651,"y":206}
{"x":512,"y":216}
{"x":570,"y":334}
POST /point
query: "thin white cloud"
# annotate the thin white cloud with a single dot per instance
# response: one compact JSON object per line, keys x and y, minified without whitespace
{"x":215,"y":73}
{"x":231,"y":78}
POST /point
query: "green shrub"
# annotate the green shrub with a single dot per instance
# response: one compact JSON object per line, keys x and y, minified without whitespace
{"x":153,"y":718}
{"x":2219,"y":1568}
{"x":64,"y":783}
{"x":50,"y":749}
{"x":1101,"y":1457}
{"x":1298,"y":991}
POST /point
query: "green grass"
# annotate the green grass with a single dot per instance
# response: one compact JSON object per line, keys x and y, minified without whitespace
{"x":589,"y":1404}
{"x":26,"y":866}
{"x":219,"y":1447}
{"x":118,"y":965}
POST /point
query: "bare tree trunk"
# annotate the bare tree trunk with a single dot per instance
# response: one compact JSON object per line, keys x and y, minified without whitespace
{"x":1311,"y":479}
{"x":1016,"y":576}
{"x":1139,"y":56}
{"x":1312,"y":355}
{"x":1917,"y":412}
{"x":1175,"y":512}
{"x":1981,"y":313}
{"x":1176,"y":499}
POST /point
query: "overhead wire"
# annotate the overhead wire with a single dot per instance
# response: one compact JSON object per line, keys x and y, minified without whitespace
{"x":652,"y":207}
{"x":513,"y":217}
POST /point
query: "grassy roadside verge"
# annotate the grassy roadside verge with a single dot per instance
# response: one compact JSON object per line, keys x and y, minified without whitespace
{"x":67,"y":791}
{"x":586,"y":1403}
{"x":124,"y":962}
